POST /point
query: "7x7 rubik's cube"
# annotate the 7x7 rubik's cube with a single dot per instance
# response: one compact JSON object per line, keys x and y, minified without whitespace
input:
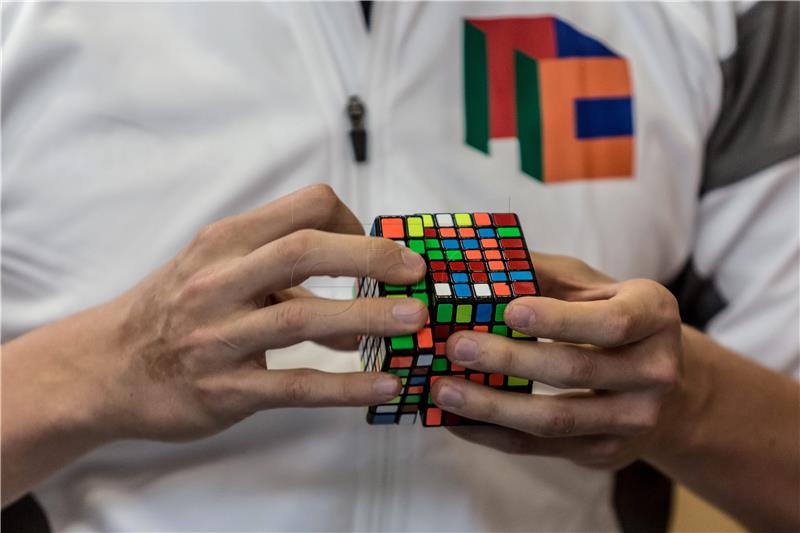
{"x":477,"y":263}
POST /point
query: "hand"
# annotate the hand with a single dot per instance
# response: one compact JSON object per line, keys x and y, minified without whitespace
{"x":621,"y":340}
{"x":189,"y":341}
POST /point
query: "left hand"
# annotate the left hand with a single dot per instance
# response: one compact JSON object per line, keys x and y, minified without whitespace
{"x":621,"y":340}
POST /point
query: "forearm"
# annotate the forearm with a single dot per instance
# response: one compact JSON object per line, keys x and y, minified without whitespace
{"x":53,"y":400}
{"x":735,"y":436}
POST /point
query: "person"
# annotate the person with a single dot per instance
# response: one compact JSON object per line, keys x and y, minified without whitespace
{"x":170,"y":147}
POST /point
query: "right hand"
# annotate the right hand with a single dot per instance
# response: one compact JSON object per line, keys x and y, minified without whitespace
{"x":189,"y":340}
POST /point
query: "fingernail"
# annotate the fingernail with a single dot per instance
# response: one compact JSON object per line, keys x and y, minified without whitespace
{"x":466,"y":350}
{"x":520,"y":317}
{"x":407,"y":311}
{"x":386,"y":386}
{"x":450,"y":397}
{"x":412,"y":260}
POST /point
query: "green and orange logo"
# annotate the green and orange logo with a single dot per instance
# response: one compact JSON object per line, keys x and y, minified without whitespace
{"x":565,"y":96}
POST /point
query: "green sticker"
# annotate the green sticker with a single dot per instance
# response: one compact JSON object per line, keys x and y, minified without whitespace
{"x":396,"y":399}
{"x":433,"y":243}
{"x":517,"y":381}
{"x":500,"y":330}
{"x":498,"y":313}
{"x":435,"y":255}
{"x":439,"y":364}
{"x":417,"y":245}
{"x":394,"y":288}
{"x":403,"y":342}
{"x":508,"y":232}
{"x":454,"y":255}
{"x":444,"y":312}
{"x":420,"y":285}
{"x":414,"y":398}
{"x":463,"y":313}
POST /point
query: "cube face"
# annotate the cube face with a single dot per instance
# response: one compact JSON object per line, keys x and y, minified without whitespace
{"x":477,"y":263}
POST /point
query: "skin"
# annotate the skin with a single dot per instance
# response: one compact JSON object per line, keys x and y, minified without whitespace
{"x":181,"y":355}
{"x":653,"y":389}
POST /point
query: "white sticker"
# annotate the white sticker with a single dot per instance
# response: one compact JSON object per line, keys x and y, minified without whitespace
{"x":442,"y":289}
{"x":444,"y":220}
{"x":482,"y":290}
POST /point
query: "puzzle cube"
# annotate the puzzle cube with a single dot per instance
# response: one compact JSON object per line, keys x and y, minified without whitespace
{"x":477,"y":263}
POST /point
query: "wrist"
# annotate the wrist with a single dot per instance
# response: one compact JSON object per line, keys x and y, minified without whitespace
{"x":685,"y":406}
{"x":60,"y":379}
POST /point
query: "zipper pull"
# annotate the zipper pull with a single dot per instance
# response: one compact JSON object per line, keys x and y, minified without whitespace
{"x":356,"y":111}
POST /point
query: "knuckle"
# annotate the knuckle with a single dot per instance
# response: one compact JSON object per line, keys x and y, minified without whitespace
{"x":506,"y":358}
{"x":581,"y":371}
{"x":663,"y":374}
{"x":558,"y":423}
{"x":561,"y":324}
{"x":291,"y":248}
{"x":605,"y":449}
{"x":325,"y":200}
{"x":667,"y":305}
{"x":198,"y":286}
{"x":491,"y":409}
{"x":642,"y":420}
{"x":196,"y":342}
{"x":569,"y":263}
{"x":209,"y":391}
{"x":215,"y":232}
{"x":290,"y":318}
{"x":384,"y":254}
{"x":298,"y":387}
{"x":621,"y":325}
{"x":670,"y":310}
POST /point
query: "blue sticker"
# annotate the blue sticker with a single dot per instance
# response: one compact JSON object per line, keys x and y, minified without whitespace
{"x":462,"y":290}
{"x":483,"y":313}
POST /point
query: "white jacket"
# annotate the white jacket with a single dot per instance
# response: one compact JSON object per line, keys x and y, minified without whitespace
{"x":126,"y":127}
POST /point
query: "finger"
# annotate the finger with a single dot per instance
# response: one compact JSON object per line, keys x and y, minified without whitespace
{"x":543,"y":416}
{"x":568,"y":278}
{"x":637,"y":367}
{"x":312,"y":388}
{"x":317,"y":319}
{"x":344,"y":342}
{"x":314,"y":207}
{"x":639,"y":308}
{"x":291,"y":260}
{"x":583,"y":449}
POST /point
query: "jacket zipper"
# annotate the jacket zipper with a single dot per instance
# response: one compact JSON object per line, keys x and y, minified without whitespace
{"x":356,"y":112}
